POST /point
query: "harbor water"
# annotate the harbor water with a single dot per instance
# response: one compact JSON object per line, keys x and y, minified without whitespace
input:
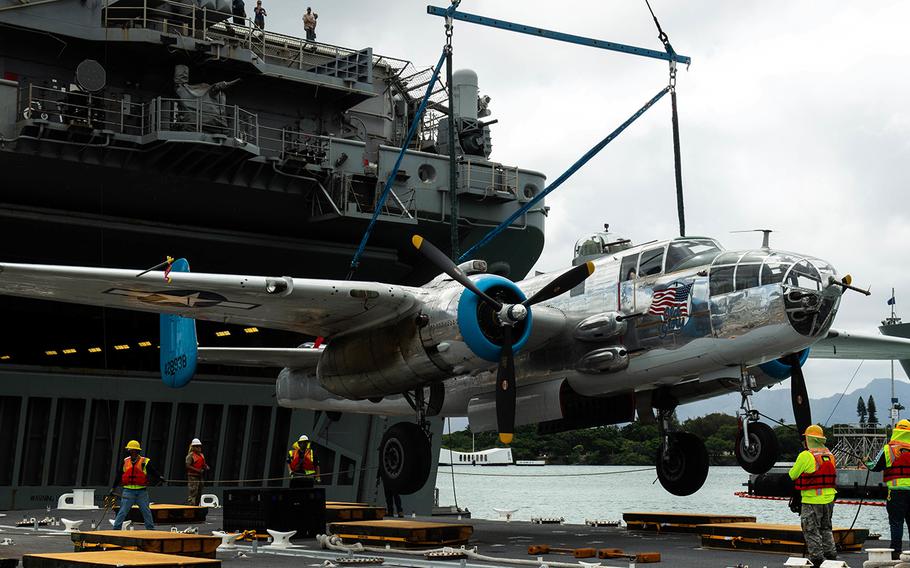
{"x":578,"y":493}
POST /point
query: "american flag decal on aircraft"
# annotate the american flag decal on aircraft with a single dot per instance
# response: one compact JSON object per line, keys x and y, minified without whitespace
{"x":674,"y":296}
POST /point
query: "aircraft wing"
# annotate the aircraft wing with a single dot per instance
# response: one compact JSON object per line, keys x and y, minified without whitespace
{"x":294,"y":357}
{"x":314,"y":307}
{"x":839,"y":344}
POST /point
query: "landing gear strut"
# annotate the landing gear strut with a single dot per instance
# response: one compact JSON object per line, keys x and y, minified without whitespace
{"x":682,"y":461}
{"x":405,"y":453}
{"x":756,"y":446}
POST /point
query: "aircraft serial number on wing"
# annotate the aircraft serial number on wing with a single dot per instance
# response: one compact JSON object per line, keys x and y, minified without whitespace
{"x":172,"y":366}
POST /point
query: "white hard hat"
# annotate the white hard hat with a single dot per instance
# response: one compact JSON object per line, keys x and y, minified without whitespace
{"x":303,"y":438}
{"x":196,"y":442}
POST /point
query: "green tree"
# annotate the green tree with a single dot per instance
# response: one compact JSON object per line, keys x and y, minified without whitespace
{"x":861,"y":410}
{"x":872,"y":419}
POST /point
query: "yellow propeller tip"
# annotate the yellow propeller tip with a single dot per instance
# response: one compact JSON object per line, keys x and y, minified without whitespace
{"x":417,"y":240}
{"x":847,"y":279}
{"x":590,"y":267}
{"x":505,"y":438}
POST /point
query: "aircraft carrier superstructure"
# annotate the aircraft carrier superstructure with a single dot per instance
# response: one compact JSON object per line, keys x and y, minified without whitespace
{"x":135,"y":129}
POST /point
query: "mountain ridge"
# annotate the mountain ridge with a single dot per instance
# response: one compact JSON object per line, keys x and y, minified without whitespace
{"x":775,"y":402}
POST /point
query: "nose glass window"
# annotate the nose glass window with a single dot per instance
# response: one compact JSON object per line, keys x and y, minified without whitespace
{"x":804,"y":275}
{"x":747,"y":276}
{"x":773,"y":272}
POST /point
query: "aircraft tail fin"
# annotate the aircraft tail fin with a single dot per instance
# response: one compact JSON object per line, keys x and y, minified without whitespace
{"x":178,"y":342}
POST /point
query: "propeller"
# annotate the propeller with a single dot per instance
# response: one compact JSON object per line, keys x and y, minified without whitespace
{"x":799,"y":396}
{"x":508,"y":315}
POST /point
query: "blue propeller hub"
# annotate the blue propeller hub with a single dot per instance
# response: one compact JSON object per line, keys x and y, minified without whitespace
{"x":479,"y":323}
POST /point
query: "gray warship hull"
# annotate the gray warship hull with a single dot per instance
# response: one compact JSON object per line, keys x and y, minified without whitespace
{"x":124,"y":137}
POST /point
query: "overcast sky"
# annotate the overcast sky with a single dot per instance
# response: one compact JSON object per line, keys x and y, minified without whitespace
{"x":794,"y":116}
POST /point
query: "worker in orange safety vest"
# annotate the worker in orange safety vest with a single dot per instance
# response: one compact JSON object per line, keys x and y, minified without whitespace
{"x":303,"y":464}
{"x":815,"y":475}
{"x":135,"y":476}
{"x":195,"y":468}
{"x":894,"y":461}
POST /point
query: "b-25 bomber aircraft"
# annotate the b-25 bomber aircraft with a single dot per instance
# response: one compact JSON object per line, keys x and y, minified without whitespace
{"x":628,"y":330}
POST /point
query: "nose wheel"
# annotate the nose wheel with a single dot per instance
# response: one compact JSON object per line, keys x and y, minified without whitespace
{"x":756,"y":447}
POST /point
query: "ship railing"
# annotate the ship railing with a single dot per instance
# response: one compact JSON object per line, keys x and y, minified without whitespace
{"x":292,"y":144}
{"x":195,"y":115}
{"x":74,"y":108}
{"x":347,"y":193}
{"x":490,"y":179}
{"x":202,"y":21}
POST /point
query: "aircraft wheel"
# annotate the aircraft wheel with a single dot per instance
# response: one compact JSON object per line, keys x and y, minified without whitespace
{"x":683,"y":468}
{"x":404,"y":458}
{"x":758,"y":454}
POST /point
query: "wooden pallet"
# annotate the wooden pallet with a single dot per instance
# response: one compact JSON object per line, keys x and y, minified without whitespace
{"x":678,"y":522}
{"x":167,"y":513}
{"x":339,"y":512}
{"x":160,"y":542}
{"x":115,"y":559}
{"x":785,"y":539}
{"x":403,"y":533}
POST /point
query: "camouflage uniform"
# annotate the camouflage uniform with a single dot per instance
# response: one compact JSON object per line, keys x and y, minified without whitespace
{"x":816,"y":523}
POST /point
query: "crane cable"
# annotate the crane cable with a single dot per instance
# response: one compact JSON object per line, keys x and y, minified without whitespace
{"x":677,"y":160}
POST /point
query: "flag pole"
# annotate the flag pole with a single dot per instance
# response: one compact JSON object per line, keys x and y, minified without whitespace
{"x":893,"y":401}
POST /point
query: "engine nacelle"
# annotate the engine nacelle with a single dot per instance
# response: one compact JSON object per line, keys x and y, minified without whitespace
{"x":776,"y":371}
{"x":454,"y":334}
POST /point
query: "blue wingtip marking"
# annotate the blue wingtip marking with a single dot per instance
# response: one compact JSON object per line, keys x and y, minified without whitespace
{"x":178,"y":355}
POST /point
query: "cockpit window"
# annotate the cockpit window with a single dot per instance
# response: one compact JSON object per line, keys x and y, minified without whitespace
{"x":721,"y":280}
{"x":652,"y":262}
{"x":627,"y":269}
{"x":747,"y":276}
{"x":689,"y":253}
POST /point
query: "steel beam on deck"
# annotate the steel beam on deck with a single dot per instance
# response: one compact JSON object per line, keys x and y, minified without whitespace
{"x":559,"y":36}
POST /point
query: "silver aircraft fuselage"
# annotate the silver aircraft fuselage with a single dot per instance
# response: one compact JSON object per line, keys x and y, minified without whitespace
{"x":662,"y":314}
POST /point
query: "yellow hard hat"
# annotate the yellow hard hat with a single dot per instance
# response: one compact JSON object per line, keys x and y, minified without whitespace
{"x":815,"y":431}
{"x":902,"y":425}
{"x":133,"y":445}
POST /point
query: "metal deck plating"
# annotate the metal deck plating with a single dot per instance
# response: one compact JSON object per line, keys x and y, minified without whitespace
{"x":494,"y":539}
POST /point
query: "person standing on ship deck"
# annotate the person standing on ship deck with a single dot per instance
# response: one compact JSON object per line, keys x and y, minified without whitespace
{"x":894,"y":461}
{"x":136,"y":474}
{"x":815,"y":475}
{"x":195,"y":468}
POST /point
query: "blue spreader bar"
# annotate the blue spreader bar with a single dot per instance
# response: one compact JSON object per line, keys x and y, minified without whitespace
{"x":559,"y":36}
